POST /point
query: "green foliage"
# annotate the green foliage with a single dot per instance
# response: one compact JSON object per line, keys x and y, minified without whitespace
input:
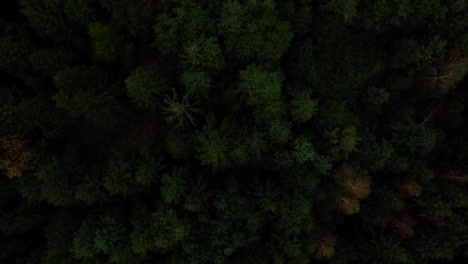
{"x":105,"y":41}
{"x":55,"y":184}
{"x":147,"y":172}
{"x":83,"y":241}
{"x":46,"y":18}
{"x":173,"y":186}
{"x":135,"y":16}
{"x":413,"y":138}
{"x":280,"y":131}
{"x":19,"y":220}
{"x":14,"y":53}
{"x":196,"y":83}
{"x":98,"y":237}
{"x":409,"y":52}
{"x":78,"y":11}
{"x":196,"y":198}
{"x":59,"y":235}
{"x":49,"y":61}
{"x":109,"y":234}
{"x":93,"y":107}
{"x":82,"y":93}
{"x":375,"y":154}
{"x":184,"y":23}
{"x":262,"y":90}
{"x":390,"y":250}
{"x":120,"y":178}
{"x":344,"y":140}
{"x":161,"y":231}
{"x":303,"y":108}
{"x":145,"y":86}
{"x":214,"y":146}
{"x":176,"y":145}
{"x":204,"y":52}
{"x":304,"y":152}
{"x":261,"y":86}
{"x":267,"y":196}
{"x":254,"y":31}
{"x":337,"y":115}
{"x":234,"y":131}
{"x":90,"y":190}
{"x":377,"y":96}
{"x":306,"y":65}
{"x":344,"y":8}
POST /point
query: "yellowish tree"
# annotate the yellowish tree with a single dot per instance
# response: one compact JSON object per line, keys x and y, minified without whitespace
{"x":446,"y":73}
{"x":14,"y":156}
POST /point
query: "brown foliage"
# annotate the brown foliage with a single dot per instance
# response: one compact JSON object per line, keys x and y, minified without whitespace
{"x":404,"y":226}
{"x":347,"y":205}
{"x":456,"y":177}
{"x":354,"y":181}
{"x":14,"y":156}
{"x":326,"y":248}
{"x":410,"y":189}
{"x":446,"y":73}
{"x":437,"y":221}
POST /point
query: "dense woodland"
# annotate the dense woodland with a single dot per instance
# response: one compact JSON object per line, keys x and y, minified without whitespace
{"x":233,"y":131}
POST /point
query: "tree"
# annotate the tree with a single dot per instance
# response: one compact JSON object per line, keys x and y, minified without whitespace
{"x":46,"y":18}
{"x":214,"y":145}
{"x":83,"y":92}
{"x":80,"y":12}
{"x":160,"y":232}
{"x":347,"y":205}
{"x":262,"y":89}
{"x":135,"y":15}
{"x":174,"y":185}
{"x":376,"y":155}
{"x":280,"y":131}
{"x":303,"y":108}
{"x":254,"y":31}
{"x":120,"y":178}
{"x":83,"y":240}
{"x":305,"y":153}
{"x":15,"y":157}
{"x":179,"y":111}
{"x":145,"y":87}
{"x":444,"y":76}
{"x":109,"y":235}
{"x":50,"y":61}
{"x":107,"y":42}
{"x":346,"y":9}
{"x":326,"y":247}
{"x":197,"y":83}
{"x":377,"y":97}
{"x":183,"y":24}
{"x":343,"y":142}
{"x":409,"y":52}
{"x":415,"y":139}
{"x":55,"y":182}
{"x":59,"y":235}
{"x":205,"y":52}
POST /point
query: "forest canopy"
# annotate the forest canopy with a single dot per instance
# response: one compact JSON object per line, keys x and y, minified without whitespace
{"x":233,"y":131}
